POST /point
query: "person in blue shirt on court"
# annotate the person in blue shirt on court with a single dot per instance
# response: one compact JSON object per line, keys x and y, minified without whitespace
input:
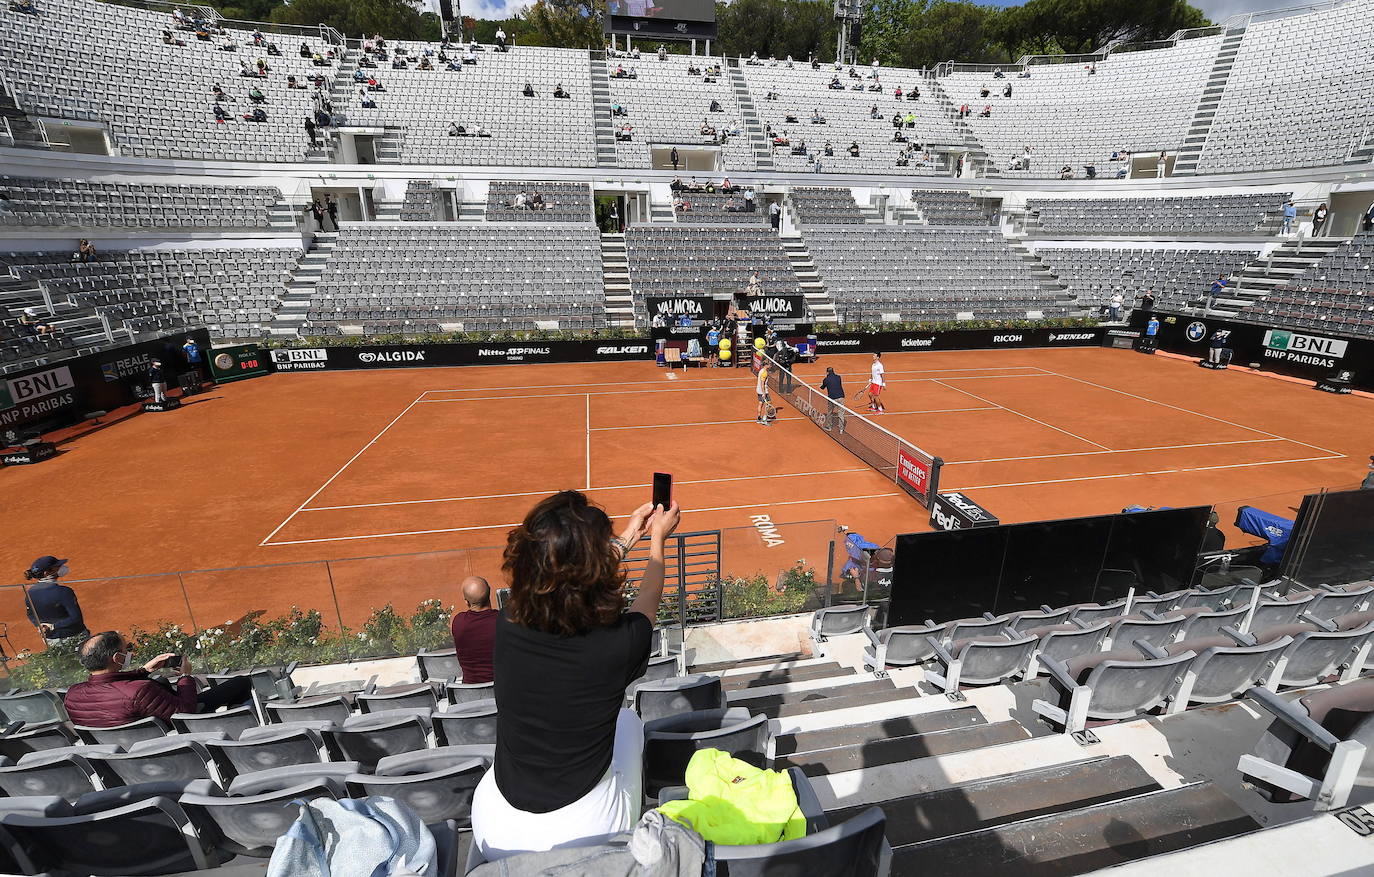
{"x":713,"y":343}
{"x":1151,"y":335}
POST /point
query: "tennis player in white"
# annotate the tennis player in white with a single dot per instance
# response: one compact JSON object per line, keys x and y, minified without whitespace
{"x":876,"y":384}
{"x":761,"y":390}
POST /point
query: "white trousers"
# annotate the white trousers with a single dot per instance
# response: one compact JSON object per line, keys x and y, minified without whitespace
{"x":500,"y":830}
{"x":159,"y":391}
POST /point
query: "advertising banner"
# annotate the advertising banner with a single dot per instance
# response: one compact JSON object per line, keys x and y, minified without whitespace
{"x":1304,"y":353}
{"x":779,"y":307}
{"x":49,"y":396}
{"x":954,"y":511}
{"x":698,"y":307}
{"x":957,"y":339}
{"x":295,"y":359}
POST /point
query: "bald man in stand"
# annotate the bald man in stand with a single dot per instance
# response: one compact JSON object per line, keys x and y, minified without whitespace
{"x":474,"y":631}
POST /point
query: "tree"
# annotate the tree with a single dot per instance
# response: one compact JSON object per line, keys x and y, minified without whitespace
{"x":394,"y":19}
{"x":948,"y":30}
{"x":567,"y":23}
{"x":885,"y":24}
{"x":777,"y":28}
{"x":1082,"y":26}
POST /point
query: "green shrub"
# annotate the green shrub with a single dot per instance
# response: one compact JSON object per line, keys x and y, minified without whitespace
{"x":252,"y":641}
{"x":751,"y":597}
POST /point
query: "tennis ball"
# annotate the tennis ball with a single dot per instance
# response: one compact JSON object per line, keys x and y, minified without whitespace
{"x":759,"y":344}
{"x":725,"y":353}
{"x":726,"y":344}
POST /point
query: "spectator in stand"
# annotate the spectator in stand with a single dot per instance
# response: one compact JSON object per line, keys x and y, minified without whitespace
{"x":829,"y":148}
{"x":1290,"y":214}
{"x":984,"y":91}
{"x":1006,"y":90}
{"x":312,"y":132}
{"x":117,"y":692}
{"x":1369,"y":218}
{"x":1319,"y":220}
{"x":317,"y":211}
{"x":305,"y":51}
{"x":28,"y":7}
{"x":774,"y":214}
{"x":470,"y":57}
{"x":256,"y":96}
{"x":1218,"y":287}
{"x":854,"y":149}
{"x":1147,"y":301}
{"x":332,"y":208}
{"x":997,"y":73}
{"x":263,"y":69}
{"x":85,"y":250}
{"x":170,"y":40}
{"x":221,"y":114}
{"x":365,"y":100}
{"x":291,"y":82}
{"x":474,"y":631}
{"x":1114,"y":306}
{"x":257,"y":115}
{"x":500,"y":39}
{"x":559,"y":93}
{"x":220,"y":94}
{"x":528,"y":90}
{"x":1066,"y":173}
{"x":31,"y":325}
{"x":987,"y":112}
{"x":673,"y":157}
{"x":52,"y":607}
{"x":569,"y":756}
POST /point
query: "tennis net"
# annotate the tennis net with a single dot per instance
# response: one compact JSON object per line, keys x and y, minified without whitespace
{"x":912,"y":469}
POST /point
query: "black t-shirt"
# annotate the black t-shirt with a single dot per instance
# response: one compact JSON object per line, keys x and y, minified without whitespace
{"x":558,"y":699}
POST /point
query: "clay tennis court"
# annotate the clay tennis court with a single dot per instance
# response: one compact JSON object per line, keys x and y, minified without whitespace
{"x":330,"y":465}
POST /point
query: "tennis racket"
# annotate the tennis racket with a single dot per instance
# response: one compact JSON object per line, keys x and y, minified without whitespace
{"x":770,"y":411}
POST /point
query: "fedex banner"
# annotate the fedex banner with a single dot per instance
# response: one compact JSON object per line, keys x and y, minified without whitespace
{"x":954,"y":511}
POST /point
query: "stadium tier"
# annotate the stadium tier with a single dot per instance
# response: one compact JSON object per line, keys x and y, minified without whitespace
{"x":1179,"y":278}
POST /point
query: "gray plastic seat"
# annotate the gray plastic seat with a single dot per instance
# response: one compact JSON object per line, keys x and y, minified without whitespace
{"x":1274,"y":613}
{"x":125,"y":735}
{"x":321,"y":709}
{"x":168,"y":760}
{"x":685,"y":694}
{"x":152,"y":836}
{"x":1224,"y":669}
{"x":1228,"y":597}
{"x":16,"y":744}
{"x":458,"y":692}
{"x":439,"y":666}
{"x":838,"y":621}
{"x":1020,"y":622}
{"x":435,"y":791}
{"x":1316,"y":655}
{"x":1064,"y":642}
{"x":1202,"y":621}
{"x":231,"y":722}
{"x":664,"y":667}
{"x":903,"y":646}
{"x":1111,"y":686}
{"x":980,"y":661}
{"x":274,"y":780}
{"x":401,"y":697}
{"x":1319,"y":747}
{"x":1331,"y":603}
{"x":32,"y":707}
{"x":856,"y":847}
{"x":368,"y":739}
{"x":265,"y":748}
{"x":1155,"y":631}
{"x":63,"y":775}
{"x":1095,"y":612}
{"x":970,"y":628}
{"x":251,"y":824}
{"x":669,"y":743}
{"x":465,"y":723}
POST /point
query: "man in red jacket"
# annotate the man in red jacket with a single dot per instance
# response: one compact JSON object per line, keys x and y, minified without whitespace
{"x":119,"y":692}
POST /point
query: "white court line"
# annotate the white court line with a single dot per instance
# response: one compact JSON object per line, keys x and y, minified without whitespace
{"x":589,"y":440}
{"x":340,"y":472}
{"x":744,"y":378}
{"x":1117,"y":451}
{"x":1153,"y":472}
{"x":1027,"y":416}
{"x":779,"y":420}
{"x":726,"y":508}
{"x":1197,"y":413}
{"x":369,"y":505}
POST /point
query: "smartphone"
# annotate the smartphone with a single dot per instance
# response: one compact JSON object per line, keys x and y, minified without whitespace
{"x":174,"y":661}
{"x":663,"y":490}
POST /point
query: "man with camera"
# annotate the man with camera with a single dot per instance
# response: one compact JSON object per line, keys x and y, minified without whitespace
{"x":784,"y":355}
{"x":119,"y":692}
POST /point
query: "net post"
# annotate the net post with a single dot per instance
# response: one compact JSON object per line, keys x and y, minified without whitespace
{"x":829,"y":573}
{"x":936,"y":463}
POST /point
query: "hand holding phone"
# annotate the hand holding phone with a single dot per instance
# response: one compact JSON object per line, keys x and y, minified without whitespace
{"x":663,"y":490}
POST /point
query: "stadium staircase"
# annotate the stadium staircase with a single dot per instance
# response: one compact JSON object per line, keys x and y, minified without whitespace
{"x":388,"y":209}
{"x":295,"y":302}
{"x":601,"y":111}
{"x":1049,"y":281}
{"x":24,"y":131}
{"x":753,"y":128}
{"x":977,"y":154}
{"x":1281,"y":265}
{"x":1363,"y":153}
{"x":615,"y":278}
{"x":1186,"y":162}
{"x":809,"y":279}
{"x":660,"y":212}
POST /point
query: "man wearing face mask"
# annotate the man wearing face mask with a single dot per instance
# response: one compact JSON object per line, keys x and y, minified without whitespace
{"x":52,"y":607}
{"x":119,"y":692}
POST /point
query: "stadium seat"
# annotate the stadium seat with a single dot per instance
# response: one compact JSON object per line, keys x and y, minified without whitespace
{"x":265,"y":748}
{"x":250,"y":824}
{"x":465,"y":723}
{"x":169,"y":759}
{"x":124,"y":735}
{"x":460,"y":693}
{"x":367,"y":739}
{"x":670,"y":742}
{"x":62,"y":775}
{"x":1223,"y":669}
{"x":38,"y":707}
{"x":436,"y":793}
{"x":982,"y":661}
{"x":439,"y":666}
{"x":1111,"y":686}
{"x":231,"y":722}
{"x":400,"y":697}
{"x":669,"y":697}
{"x":903,"y":646}
{"x":312,"y":709}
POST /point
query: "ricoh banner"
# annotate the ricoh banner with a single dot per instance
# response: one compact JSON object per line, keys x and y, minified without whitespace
{"x":957,"y":339}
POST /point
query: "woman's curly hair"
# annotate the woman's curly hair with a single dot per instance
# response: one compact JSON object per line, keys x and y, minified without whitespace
{"x":565,"y":574}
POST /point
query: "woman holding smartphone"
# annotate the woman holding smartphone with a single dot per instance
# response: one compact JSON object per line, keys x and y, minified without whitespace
{"x":568,"y":755}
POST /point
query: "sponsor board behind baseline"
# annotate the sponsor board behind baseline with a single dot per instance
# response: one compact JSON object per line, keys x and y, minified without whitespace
{"x":958,"y":339}
{"x":422,"y":356}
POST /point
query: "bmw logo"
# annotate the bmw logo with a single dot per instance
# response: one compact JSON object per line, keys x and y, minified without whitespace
{"x":1196,"y":331}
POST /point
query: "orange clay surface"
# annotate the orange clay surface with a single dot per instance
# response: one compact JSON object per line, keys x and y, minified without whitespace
{"x":334,"y":465}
